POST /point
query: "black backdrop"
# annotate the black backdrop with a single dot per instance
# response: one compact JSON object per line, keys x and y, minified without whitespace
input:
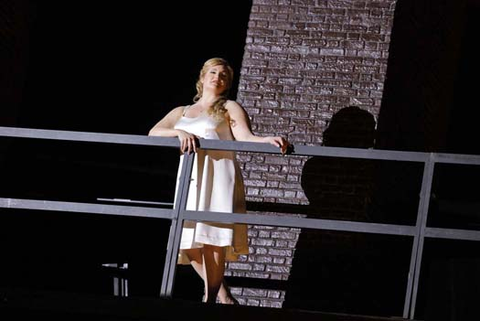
{"x":110,"y":67}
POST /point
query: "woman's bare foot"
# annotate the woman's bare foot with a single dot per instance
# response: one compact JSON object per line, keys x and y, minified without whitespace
{"x":224,"y":296}
{"x":229,"y":300}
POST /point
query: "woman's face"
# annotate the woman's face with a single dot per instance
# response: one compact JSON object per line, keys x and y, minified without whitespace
{"x":216,"y":79}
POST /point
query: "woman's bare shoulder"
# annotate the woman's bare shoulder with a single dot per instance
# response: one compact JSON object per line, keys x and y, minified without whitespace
{"x":176,"y":112}
{"x":172,"y":116}
{"x":232,"y":106}
{"x":178,"y":109}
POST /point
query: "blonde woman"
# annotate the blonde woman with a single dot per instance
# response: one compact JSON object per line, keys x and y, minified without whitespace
{"x":217,"y":183}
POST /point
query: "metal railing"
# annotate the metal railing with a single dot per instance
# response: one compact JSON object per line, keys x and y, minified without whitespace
{"x":178,"y":213}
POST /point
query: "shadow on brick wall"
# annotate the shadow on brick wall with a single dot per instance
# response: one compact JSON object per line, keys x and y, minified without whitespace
{"x":339,"y":187}
{"x":339,"y":271}
{"x":331,"y":184}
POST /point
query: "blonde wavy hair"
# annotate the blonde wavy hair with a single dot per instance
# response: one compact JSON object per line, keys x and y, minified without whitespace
{"x":217,"y":109}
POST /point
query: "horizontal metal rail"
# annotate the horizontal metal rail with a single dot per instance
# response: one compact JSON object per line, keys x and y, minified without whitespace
{"x":211,"y":144}
{"x":302,"y":150}
{"x":452,"y":234}
{"x":73,"y":136}
{"x":300,"y":222}
{"x":101,"y":209}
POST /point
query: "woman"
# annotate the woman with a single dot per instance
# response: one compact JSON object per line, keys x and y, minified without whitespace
{"x":217,"y":183}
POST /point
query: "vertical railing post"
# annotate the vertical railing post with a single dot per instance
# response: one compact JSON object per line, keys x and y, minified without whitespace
{"x":419,"y":238}
{"x":173,"y":244}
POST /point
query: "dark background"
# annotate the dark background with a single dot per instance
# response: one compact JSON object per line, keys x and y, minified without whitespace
{"x":105,"y":66}
{"x":98,"y":66}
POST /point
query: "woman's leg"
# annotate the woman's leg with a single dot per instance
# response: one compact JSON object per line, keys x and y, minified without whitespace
{"x":214,"y":263}
{"x":196,"y":259}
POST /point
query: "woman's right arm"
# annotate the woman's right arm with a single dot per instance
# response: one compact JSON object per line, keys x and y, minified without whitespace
{"x":166,"y":128}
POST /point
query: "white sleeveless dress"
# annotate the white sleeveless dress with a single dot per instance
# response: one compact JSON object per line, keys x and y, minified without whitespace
{"x":216,"y":186}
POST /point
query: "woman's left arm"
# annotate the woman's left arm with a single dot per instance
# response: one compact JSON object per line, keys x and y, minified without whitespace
{"x":242,"y":130}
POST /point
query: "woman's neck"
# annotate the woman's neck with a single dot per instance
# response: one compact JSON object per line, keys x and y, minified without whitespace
{"x":207,"y":100}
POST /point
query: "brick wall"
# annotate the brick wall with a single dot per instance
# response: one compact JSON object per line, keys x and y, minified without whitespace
{"x":304,"y":61}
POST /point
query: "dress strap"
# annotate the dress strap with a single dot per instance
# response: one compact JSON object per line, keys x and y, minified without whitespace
{"x":185,"y":110}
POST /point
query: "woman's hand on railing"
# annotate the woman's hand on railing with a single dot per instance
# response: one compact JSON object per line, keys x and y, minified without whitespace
{"x":278,"y":141}
{"x":188,"y":142}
